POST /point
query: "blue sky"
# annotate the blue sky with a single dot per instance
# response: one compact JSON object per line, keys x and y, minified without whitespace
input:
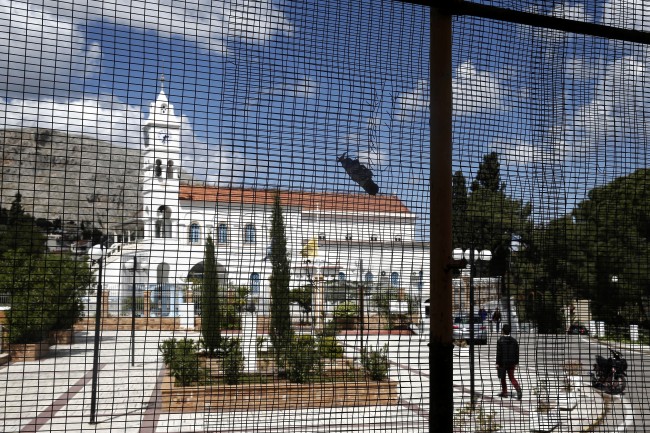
{"x":271,"y":92}
{"x":565,"y":112}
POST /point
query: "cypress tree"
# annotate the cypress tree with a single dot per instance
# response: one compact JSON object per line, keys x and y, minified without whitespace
{"x":210,"y":308}
{"x":280,"y":332}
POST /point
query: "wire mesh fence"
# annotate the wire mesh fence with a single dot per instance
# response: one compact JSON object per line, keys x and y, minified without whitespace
{"x":216,"y":217}
{"x":210,"y":219}
{"x":549,"y":206}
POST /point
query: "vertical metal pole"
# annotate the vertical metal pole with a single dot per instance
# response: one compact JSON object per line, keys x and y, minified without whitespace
{"x":472,"y":342}
{"x":361,"y":306}
{"x":441,"y":343}
{"x":98,"y":313}
{"x":505,"y":292}
{"x":135,"y":267}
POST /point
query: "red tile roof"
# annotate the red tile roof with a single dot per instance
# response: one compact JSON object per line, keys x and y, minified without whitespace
{"x":339,"y":202}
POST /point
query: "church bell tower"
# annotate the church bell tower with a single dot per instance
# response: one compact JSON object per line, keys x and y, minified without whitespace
{"x":160,"y":168}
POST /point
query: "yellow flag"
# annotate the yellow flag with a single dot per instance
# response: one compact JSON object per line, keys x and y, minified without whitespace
{"x":310,"y":249}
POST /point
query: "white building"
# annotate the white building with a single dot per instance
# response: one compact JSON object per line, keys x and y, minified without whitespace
{"x":357,"y":236}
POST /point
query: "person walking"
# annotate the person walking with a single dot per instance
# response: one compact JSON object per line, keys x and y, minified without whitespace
{"x":507,"y":360}
{"x":496,"y":318}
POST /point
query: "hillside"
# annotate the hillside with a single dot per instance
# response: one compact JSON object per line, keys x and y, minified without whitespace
{"x":72,"y":177}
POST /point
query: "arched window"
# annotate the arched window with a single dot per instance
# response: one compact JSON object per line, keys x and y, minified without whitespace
{"x":222,"y":234}
{"x":164,"y":222}
{"x":255,"y":283}
{"x":195,"y":233}
{"x":369,"y":277}
{"x":170,"y":169}
{"x":249,"y":234}
{"x":341,"y":276}
{"x":158,"y":168}
{"x":394,"y":279}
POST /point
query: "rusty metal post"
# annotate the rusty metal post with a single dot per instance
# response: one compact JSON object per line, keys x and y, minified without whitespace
{"x":441,"y":343}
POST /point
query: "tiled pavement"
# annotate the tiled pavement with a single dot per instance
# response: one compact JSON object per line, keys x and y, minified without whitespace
{"x":55,"y":394}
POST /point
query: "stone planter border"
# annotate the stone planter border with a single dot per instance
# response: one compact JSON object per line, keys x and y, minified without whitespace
{"x":276,"y":395}
{"x":61,"y":336}
{"x":28,"y":352}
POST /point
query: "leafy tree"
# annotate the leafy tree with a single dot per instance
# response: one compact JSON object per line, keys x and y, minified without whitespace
{"x":19,"y":231}
{"x":488,"y":175}
{"x":459,"y":209}
{"x":487,"y":218}
{"x":69,"y":280}
{"x":210,"y":302}
{"x":614,"y":226}
{"x":494,"y":219}
{"x":280,"y":330}
{"x":45,"y":291}
{"x":16,"y":211}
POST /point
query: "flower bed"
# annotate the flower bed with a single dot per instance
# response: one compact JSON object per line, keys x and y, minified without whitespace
{"x":276,"y":394}
{"x":312,"y":377}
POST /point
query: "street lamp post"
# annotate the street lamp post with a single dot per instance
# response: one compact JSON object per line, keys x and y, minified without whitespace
{"x":471,"y":255}
{"x":361,"y":304}
{"x":97,"y":255}
{"x":132,"y":345}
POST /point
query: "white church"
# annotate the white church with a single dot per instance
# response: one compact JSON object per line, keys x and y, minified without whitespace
{"x":330,"y":236}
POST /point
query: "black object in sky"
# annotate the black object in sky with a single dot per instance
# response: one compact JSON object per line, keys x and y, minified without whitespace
{"x":359,"y":173}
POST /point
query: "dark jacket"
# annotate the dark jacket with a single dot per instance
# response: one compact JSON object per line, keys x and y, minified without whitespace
{"x":507,"y":351}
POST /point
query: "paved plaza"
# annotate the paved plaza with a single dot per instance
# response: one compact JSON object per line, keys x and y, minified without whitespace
{"x":55,"y":394}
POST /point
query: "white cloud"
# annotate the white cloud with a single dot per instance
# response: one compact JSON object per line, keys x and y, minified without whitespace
{"x":576,"y":12}
{"x":209,"y":23}
{"x":615,"y":112}
{"x":214,"y":163}
{"x":413,"y":104}
{"x":41,"y":52}
{"x":619,"y":102}
{"x":96,"y":118}
{"x":121,"y":125}
{"x":630,"y":14}
{"x":304,"y":87}
{"x":524,"y":153}
{"x":476,"y":91}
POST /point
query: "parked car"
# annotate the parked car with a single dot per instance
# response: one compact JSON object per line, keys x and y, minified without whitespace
{"x":577,"y":329}
{"x":461,"y":329}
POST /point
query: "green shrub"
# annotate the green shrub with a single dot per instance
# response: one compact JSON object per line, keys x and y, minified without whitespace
{"x":30,"y":318}
{"x":329,"y":329}
{"x":476,"y":419}
{"x":167,"y":350}
{"x":182,"y":358}
{"x":346,"y":310}
{"x":346,"y":314}
{"x":45,"y":293}
{"x":330,"y":348}
{"x":302,"y":359}
{"x":233,"y":361}
{"x":375,"y":363}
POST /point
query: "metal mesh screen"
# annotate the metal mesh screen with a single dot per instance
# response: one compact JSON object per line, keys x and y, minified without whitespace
{"x":549,"y":190}
{"x":214,"y":216}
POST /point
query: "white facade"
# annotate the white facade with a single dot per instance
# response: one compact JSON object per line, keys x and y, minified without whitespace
{"x":359,"y":237}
